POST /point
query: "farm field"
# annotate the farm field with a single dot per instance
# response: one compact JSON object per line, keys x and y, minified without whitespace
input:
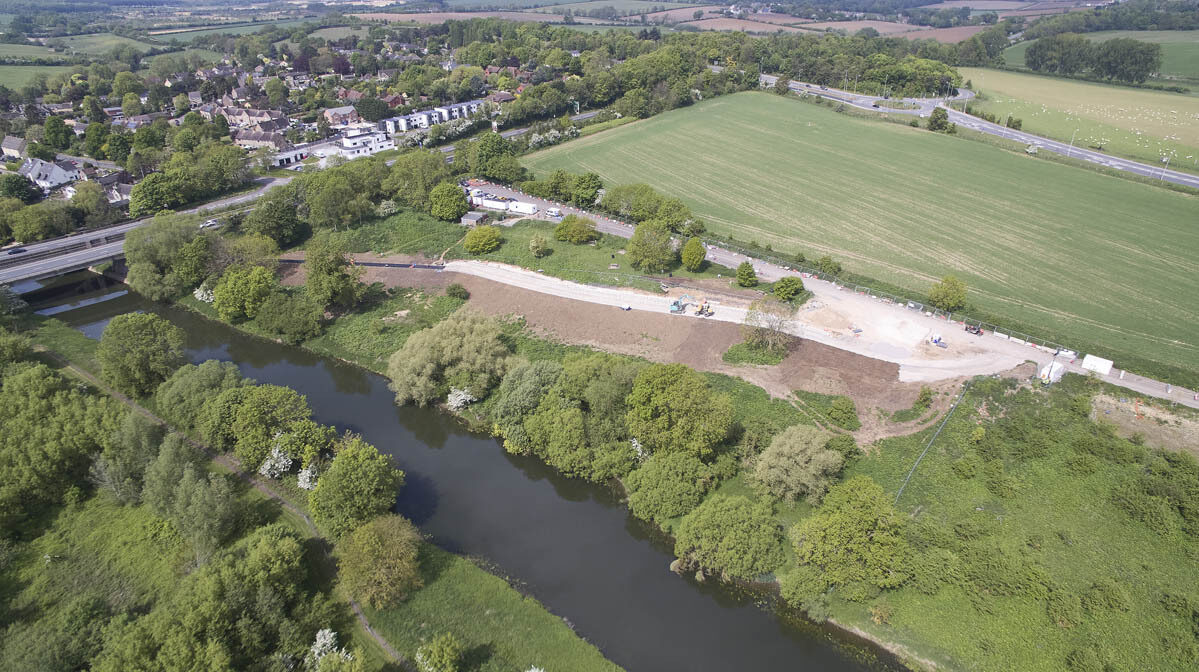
{"x":741,"y":24}
{"x":442,"y":17}
{"x":232,"y":29}
{"x":1180,"y":50}
{"x":945,"y":35}
{"x":16,"y":76}
{"x":100,"y":43}
{"x":338,"y":32}
{"x":851,"y":27}
{"x":683,"y":14}
{"x":30,"y":51}
{"x":622,"y":6}
{"x":1036,"y":241}
{"x":1138,"y":123}
{"x":984,"y":5}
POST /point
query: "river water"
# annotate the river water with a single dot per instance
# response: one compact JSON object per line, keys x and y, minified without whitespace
{"x":571,"y":544}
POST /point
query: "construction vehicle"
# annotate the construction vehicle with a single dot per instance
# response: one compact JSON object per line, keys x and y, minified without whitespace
{"x":703,"y":309}
{"x":679,"y":306}
{"x":975,"y":329}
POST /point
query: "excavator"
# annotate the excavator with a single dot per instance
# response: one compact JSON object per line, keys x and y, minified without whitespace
{"x":679,"y":307}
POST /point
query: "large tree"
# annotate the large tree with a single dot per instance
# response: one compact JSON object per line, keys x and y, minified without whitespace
{"x":447,"y":202}
{"x":949,"y":294}
{"x":138,"y":351}
{"x":797,"y":464}
{"x":671,"y":408}
{"x":332,"y":279}
{"x":414,"y":175}
{"x":651,"y":248}
{"x":733,"y":536}
{"x":465,"y":350}
{"x":668,"y":485}
{"x":768,"y":324}
{"x":855,"y":541}
{"x":378,"y":561}
{"x":242,"y":291}
{"x":359,"y":485}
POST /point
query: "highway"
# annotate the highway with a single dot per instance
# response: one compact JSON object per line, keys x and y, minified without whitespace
{"x":925,"y":106}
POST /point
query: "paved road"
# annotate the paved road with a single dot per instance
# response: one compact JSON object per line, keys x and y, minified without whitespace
{"x":925,"y":106}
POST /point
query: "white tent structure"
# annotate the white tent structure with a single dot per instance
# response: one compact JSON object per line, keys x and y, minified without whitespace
{"x":1097,"y":364}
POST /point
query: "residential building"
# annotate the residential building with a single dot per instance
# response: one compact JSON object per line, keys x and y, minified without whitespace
{"x":341,"y":115}
{"x":49,"y":175}
{"x":14,"y":148}
{"x":251,"y":140}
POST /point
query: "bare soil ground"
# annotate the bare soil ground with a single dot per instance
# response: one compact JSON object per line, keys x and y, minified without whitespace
{"x":851,"y":27}
{"x":945,"y":35}
{"x":741,"y":24}
{"x":442,"y":17}
{"x":684,"y":14}
{"x":873,"y":384}
{"x":1160,"y":427}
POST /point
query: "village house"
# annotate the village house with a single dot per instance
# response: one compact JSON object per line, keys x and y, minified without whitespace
{"x":14,"y":148}
{"x":48,"y":175}
{"x":337,"y":116}
{"x":251,"y":140}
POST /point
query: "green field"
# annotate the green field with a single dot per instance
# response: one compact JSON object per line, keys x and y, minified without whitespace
{"x":1137,"y":123}
{"x":232,"y":29}
{"x":1102,"y":260}
{"x":28,"y":51}
{"x":99,"y":43}
{"x":16,"y":76}
{"x":1180,"y":50}
{"x":338,"y":32}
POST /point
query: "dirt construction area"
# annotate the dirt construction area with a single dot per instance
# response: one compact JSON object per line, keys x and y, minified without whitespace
{"x":699,"y":343}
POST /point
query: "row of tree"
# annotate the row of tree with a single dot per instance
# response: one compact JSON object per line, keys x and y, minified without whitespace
{"x":1120,"y":59}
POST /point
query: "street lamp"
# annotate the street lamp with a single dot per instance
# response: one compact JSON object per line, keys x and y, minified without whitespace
{"x":1166,"y":161}
{"x":1071,"y":144}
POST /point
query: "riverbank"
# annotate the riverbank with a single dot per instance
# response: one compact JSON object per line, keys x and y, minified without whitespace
{"x":501,"y":625}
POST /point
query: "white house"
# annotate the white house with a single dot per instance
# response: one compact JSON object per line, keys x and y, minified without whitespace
{"x":14,"y":148}
{"x":426,"y":118}
{"x":49,"y":175}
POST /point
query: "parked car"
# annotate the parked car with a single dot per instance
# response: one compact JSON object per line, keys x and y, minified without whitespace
{"x":210,"y":224}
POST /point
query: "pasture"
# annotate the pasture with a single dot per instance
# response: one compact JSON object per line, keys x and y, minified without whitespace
{"x":1102,"y":260}
{"x":16,"y":76}
{"x":186,"y":34}
{"x":338,"y":32}
{"x":29,"y":51}
{"x":1137,"y":123}
{"x":624,"y":7}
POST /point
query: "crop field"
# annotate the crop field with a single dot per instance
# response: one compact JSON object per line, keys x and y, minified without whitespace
{"x":1138,"y":123}
{"x":945,"y":35}
{"x":741,"y":24}
{"x":16,"y":76}
{"x":231,"y":29}
{"x":1100,"y":259}
{"x":851,"y":27}
{"x":1180,"y":50}
{"x":338,"y":32}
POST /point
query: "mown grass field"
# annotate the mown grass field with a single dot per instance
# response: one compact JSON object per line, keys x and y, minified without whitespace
{"x":1137,"y":123}
{"x":1103,"y":260}
{"x":16,"y":76}
{"x":28,"y":51}
{"x":1180,"y":50}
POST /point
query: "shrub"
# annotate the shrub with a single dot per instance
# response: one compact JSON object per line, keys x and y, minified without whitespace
{"x":292,"y":318}
{"x":538,"y":247}
{"x":746,"y":276}
{"x":796,"y":464}
{"x":443,"y":654}
{"x":651,"y":248}
{"x":788,"y":288}
{"x":575,"y":229}
{"x":457,"y":291}
{"x":1107,"y":595}
{"x":1156,"y":512}
{"x":1064,"y":608}
{"x":949,"y":294}
{"x":668,"y":485}
{"x":482,"y":239}
{"x":378,"y":561}
{"x":843,"y":413}
{"x":733,"y":536}
{"x":181,"y":397}
{"x":846,"y":445}
{"x":242,"y":291}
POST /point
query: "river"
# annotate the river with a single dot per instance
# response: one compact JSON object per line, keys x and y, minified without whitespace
{"x":571,"y":544}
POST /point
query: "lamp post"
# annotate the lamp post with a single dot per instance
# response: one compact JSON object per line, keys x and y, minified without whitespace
{"x":1166,"y":161}
{"x":1071,"y":149}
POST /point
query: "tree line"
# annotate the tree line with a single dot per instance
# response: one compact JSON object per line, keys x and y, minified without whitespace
{"x":1120,"y":59}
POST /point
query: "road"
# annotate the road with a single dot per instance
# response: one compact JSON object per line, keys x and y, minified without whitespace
{"x":925,"y":106}
{"x":890,"y":332}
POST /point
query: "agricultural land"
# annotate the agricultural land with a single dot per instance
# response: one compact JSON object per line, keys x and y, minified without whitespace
{"x":97,"y":44}
{"x":16,"y":76}
{"x":1141,"y":124}
{"x":1180,"y":50}
{"x":906,"y":207}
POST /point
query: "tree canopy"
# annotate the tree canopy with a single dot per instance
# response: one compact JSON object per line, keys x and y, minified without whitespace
{"x":138,"y":351}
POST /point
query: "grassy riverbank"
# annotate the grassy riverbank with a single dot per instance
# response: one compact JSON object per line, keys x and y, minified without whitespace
{"x":500,"y":628}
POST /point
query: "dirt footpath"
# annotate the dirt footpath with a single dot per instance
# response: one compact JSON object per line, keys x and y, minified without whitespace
{"x":871,"y":383}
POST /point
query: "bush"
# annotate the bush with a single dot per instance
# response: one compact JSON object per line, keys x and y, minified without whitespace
{"x":293,"y":319}
{"x":843,"y":413}
{"x":949,"y":294}
{"x":788,"y":288}
{"x":538,"y":247}
{"x":1064,"y":608}
{"x":733,"y":536}
{"x":182,"y":396}
{"x":796,"y":464}
{"x":668,"y":485}
{"x":443,"y":654}
{"x":576,"y":230}
{"x":746,"y":276}
{"x":1106,"y":595}
{"x":672,"y":408}
{"x":457,"y":291}
{"x":377,"y":562}
{"x":1156,"y":512}
{"x":482,"y":239}
{"x":651,"y":248}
